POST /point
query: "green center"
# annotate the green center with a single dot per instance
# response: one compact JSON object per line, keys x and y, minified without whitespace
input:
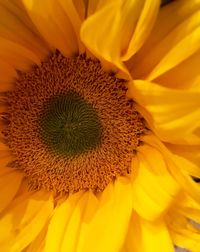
{"x":70,"y":125}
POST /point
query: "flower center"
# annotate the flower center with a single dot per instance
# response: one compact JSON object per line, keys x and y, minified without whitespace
{"x":70,"y":125}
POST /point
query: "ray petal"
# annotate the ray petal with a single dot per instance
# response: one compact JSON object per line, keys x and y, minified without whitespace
{"x":10,"y":180}
{"x":145,"y":236}
{"x":173,"y":114}
{"x":173,"y":43}
{"x":121,"y":33}
{"x":24,"y":219}
{"x":53,"y":24}
{"x":110,"y":223}
{"x":154,"y":189}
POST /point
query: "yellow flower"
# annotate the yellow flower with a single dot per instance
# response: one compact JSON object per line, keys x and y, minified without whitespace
{"x":128,"y":183}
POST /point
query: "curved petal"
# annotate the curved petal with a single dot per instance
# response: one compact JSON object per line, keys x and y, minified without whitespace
{"x":10,"y":180}
{"x":121,"y":35}
{"x":190,"y":153}
{"x":111,"y":219}
{"x":24,"y":219}
{"x":53,"y":24}
{"x":183,"y":76}
{"x":71,"y":219}
{"x":81,"y":8}
{"x":182,"y":50}
{"x":188,"y":208}
{"x":179,"y":170}
{"x":16,"y":26}
{"x":7,"y":75}
{"x":3,"y":147}
{"x":6,"y":157}
{"x":154,"y":189}
{"x":173,"y":114}
{"x":188,"y":158}
{"x":102,"y":41}
{"x":79,"y":222}
{"x":16,"y":55}
{"x":182,"y":222}
{"x":39,"y":242}
{"x":144,"y":236}
{"x":70,"y":10}
{"x":84,"y":224}
{"x":143,"y":27}
{"x":60,"y":220}
{"x":91,"y":7}
{"x":171,"y":42}
{"x":20,"y":44}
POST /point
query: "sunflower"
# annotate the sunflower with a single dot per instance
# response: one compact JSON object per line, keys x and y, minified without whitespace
{"x":100,"y":129}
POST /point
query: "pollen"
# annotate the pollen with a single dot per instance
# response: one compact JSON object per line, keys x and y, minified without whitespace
{"x":70,"y":125}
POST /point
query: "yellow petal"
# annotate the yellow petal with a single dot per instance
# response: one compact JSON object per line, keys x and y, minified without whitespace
{"x":178,"y":171}
{"x":6,"y":158}
{"x":102,"y":41}
{"x":144,"y":236}
{"x":10,"y":180}
{"x":81,"y":8}
{"x":3,"y":147}
{"x":169,"y":36}
{"x":192,"y":153}
{"x":183,"y":232}
{"x":174,"y":113}
{"x":188,"y":208}
{"x":5,"y":86}
{"x":7,"y":75}
{"x":91,"y":7}
{"x":187,"y":165}
{"x":143,"y":27}
{"x":154,"y":189}
{"x":122,"y":26}
{"x":184,"y":179}
{"x":53,"y":24}
{"x":39,"y":242}
{"x":107,"y":229}
{"x":76,"y":230}
{"x":24,"y":219}
{"x":188,"y":46}
{"x":71,"y":12}
{"x":184,"y":75}
{"x":16,"y":55}
{"x":16,"y":26}
{"x":59,"y":222}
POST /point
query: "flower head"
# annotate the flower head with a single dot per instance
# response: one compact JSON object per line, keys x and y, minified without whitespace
{"x":99,"y":117}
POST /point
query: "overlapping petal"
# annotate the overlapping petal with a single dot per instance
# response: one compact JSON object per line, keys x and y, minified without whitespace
{"x":24,"y":219}
{"x":154,"y":189}
{"x":39,"y":242}
{"x":7,"y":74}
{"x":172,"y":114}
{"x":10,"y":180}
{"x":83,"y":216}
{"x":145,"y":236}
{"x":53,"y":24}
{"x":121,"y":35}
{"x":180,"y":168}
{"x":70,"y":9}
{"x":16,"y":27}
{"x":17,"y":56}
{"x":111,"y":219}
{"x":190,"y":153}
{"x":70,"y":219}
{"x":183,"y":221}
{"x":173,"y":42}
{"x":20,"y":43}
